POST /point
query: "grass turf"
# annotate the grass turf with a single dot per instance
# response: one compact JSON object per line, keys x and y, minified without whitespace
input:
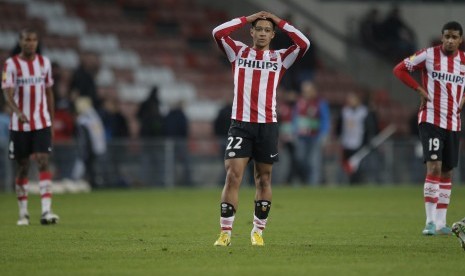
{"x":328,"y":231}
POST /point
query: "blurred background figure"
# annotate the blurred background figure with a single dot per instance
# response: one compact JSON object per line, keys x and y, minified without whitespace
{"x":371,"y":31}
{"x":287,"y":134}
{"x":92,"y":144}
{"x":6,"y":172}
{"x":397,"y":35}
{"x":220,"y":128}
{"x":350,"y":129}
{"x":83,"y":78}
{"x":312,"y":123}
{"x":176,"y":129}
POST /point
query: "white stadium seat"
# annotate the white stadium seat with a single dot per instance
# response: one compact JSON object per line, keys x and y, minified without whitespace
{"x":8,"y":40}
{"x":153,"y":76}
{"x":66,"y":58}
{"x":99,"y":42}
{"x":120,"y":59}
{"x":202,"y":110}
{"x":172,"y":93}
{"x":133,"y":92}
{"x":105,"y":77}
{"x":45,"y":10}
{"x":66,"y":26}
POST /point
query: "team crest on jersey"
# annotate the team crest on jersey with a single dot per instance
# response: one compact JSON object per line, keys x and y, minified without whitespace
{"x":273,"y":55}
{"x":462,"y":68}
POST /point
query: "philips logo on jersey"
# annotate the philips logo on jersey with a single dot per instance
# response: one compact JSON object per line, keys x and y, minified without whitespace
{"x":21,"y":81}
{"x":257,"y":64}
{"x":440,"y":76}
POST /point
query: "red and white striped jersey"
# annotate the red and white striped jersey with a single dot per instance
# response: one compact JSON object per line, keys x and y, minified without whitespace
{"x":443,"y":77}
{"x":257,"y":73}
{"x":29,"y":80}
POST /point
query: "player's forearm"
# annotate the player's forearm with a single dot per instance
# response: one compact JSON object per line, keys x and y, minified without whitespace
{"x":8,"y":95}
{"x":401,"y":72}
{"x":295,"y":35}
{"x":50,"y":103}
{"x":227,"y":28}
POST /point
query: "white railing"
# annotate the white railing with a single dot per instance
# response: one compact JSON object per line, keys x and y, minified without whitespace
{"x":176,"y":163}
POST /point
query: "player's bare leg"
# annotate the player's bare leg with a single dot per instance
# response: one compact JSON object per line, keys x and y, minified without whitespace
{"x":229,"y":198}
{"x":45,"y":186}
{"x":263,"y":194}
{"x":21,"y":188}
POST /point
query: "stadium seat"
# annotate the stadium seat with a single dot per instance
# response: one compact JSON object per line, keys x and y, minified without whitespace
{"x":133,"y":92}
{"x":122,"y":59}
{"x":67,"y":58}
{"x":202,"y":110}
{"x":173,"y":93}
{"x":45,"y":10}
{"x":99,"y":42}
{"x":105,"y":77}
{"x":153,"y":76}
{"x":8,"y":40}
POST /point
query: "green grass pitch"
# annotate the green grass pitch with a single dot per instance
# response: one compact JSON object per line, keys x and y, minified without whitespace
{"x":328,"y":231}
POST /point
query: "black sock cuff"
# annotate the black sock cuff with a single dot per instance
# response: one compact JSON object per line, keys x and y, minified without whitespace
{"x":227,"y":210}
{"x":262,"y":208}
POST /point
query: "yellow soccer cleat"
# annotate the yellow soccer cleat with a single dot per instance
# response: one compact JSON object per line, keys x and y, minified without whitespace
{"x":223,"y":240}
{"x":256,"y":239}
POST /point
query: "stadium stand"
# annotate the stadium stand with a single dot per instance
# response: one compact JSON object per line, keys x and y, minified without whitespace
{"x":143,"y":43}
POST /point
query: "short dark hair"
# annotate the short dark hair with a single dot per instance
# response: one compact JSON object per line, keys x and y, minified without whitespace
{"x":452,"y":25}
{"x":27,"y":31}
{"x":254,"y":23}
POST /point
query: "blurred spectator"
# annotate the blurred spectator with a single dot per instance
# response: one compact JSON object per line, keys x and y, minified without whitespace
{"x":129,"y":125}
{"x":287,"y":135}
{"x":149,"y":115}
{"x":398,"y":36}
{"x":371,"y":33}
{"x":371,"y":165}
{"x":91,"y":142}
{"x":64,"y":152}
{"x":6,"y":173}
{"x":176,"y":128}
{"x":83,"y":79}
{"x":416,"y":164}
{"x":113,"y":122}
{"x":221,"y":127}
{"x":350,"y":129}
{"x":63,"y":122}
{"x":312,"y":124}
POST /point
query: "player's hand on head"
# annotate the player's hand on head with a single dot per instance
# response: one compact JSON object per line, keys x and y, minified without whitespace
{"x":273,"y":17}
{"x":255,"y":16}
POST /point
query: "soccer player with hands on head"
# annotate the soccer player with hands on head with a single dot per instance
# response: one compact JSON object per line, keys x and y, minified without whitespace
{"x":27,"y":86}
{"x":253,"y":133}
{"x":442,"y":70}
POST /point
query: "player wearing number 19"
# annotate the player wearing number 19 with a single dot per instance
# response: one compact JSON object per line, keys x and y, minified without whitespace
{"x":253,"y":133}
{"x":441,"y":93}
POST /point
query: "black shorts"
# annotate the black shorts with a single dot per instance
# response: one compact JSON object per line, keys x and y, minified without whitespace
{"x":258,"y":141}
{"x":439,"y":145}
{"x":24,"y":143}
